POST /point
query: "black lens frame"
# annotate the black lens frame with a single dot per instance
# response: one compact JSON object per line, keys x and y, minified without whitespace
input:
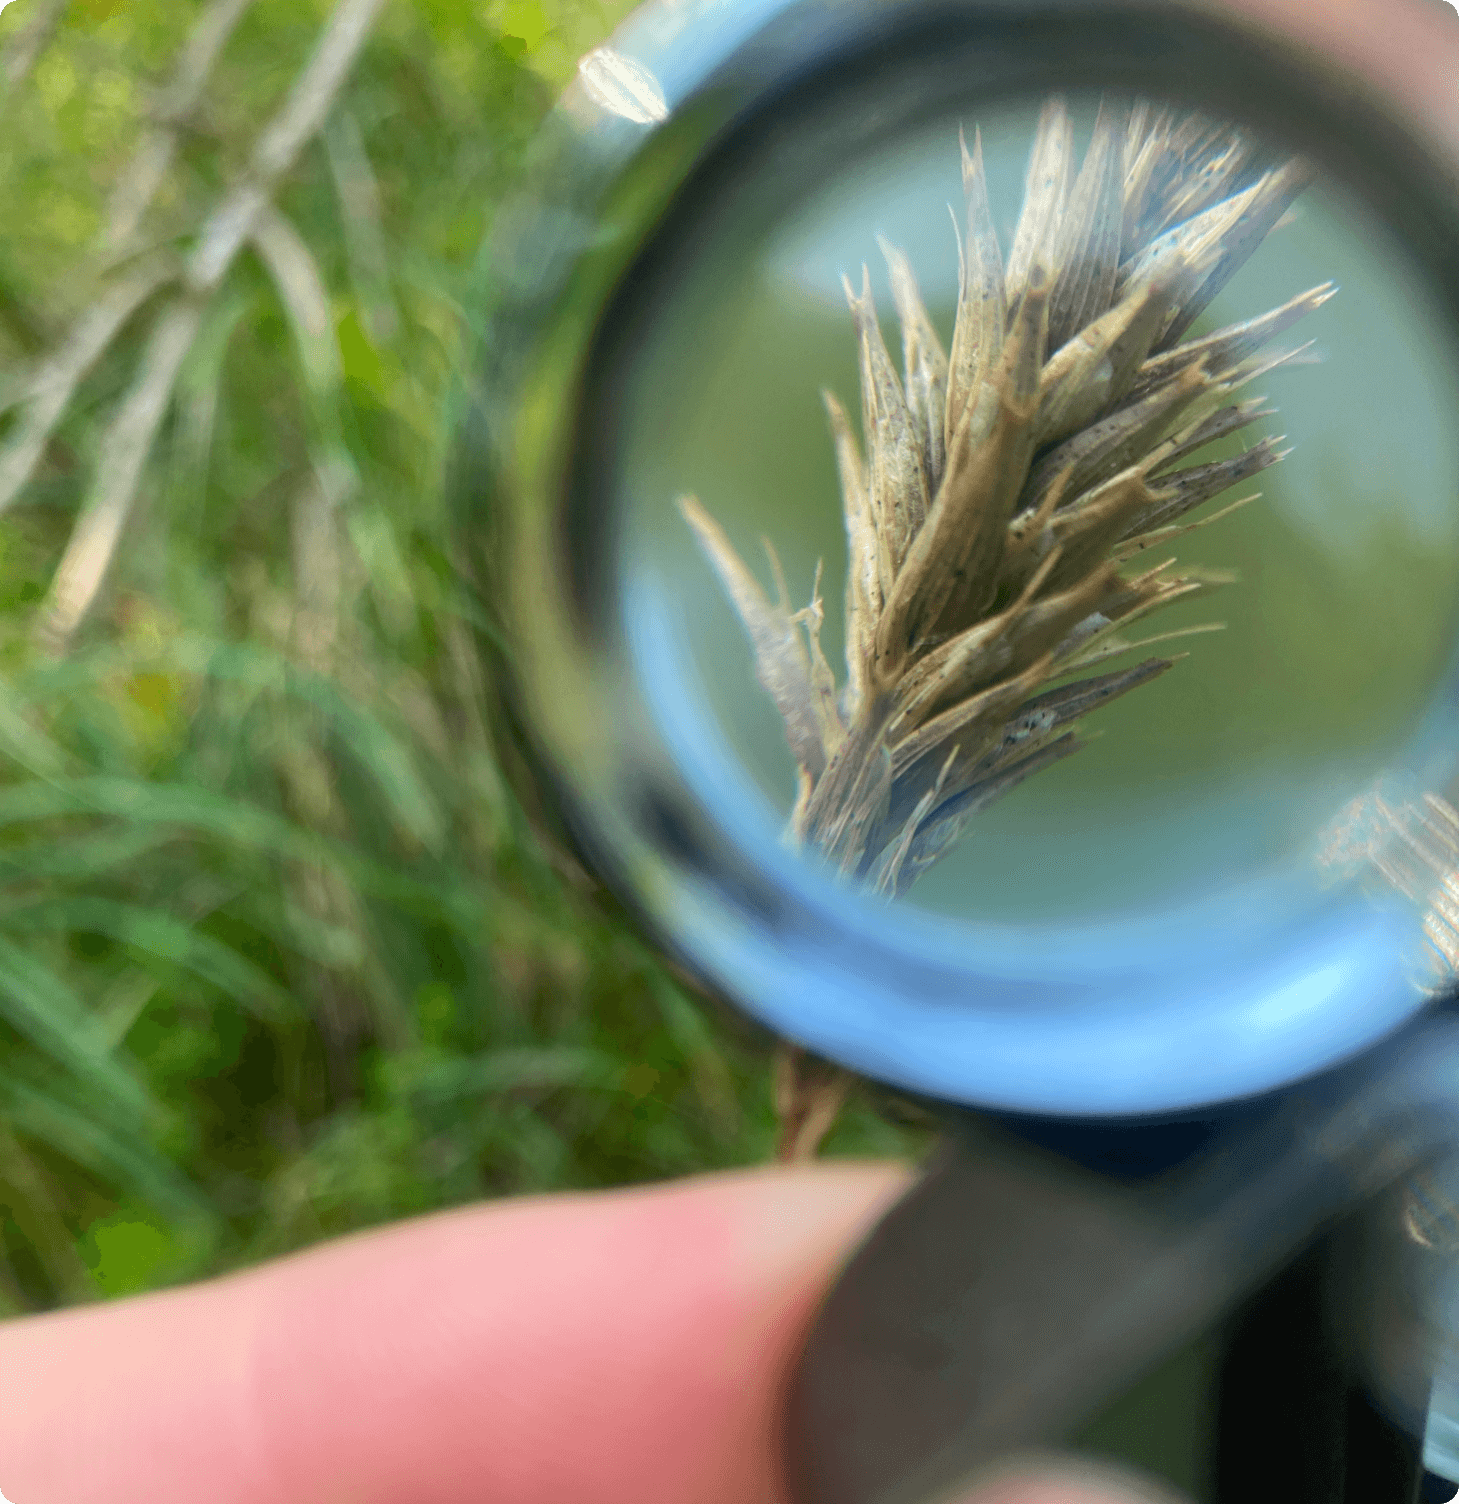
{"x":767,"y":100}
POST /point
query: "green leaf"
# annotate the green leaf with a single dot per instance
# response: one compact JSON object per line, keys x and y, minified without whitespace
{"x":691,"y":1035}
{"x":70,"y":1129}
{"x":160,"y":935}
{"x":500,"y":1071}
{"x":236,"y":823}
{"x":25,"y":746}
{"x":83,"y":858}
{"x":40,"y":1007}
{"x":383,"y":757}
{"x":362,"y":363}
{"x":133,"y":1250}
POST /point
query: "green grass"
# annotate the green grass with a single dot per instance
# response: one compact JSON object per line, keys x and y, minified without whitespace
{"x":287,"y":945}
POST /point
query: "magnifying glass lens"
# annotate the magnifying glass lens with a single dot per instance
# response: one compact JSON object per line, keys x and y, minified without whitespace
{"x":1013,"y":548}
{"x":1076,"y":553}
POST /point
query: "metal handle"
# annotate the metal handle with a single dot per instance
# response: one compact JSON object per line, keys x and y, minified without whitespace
{"x":1012,"y":1292}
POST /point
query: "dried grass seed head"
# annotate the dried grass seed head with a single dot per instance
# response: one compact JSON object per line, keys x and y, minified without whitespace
{"x":1005,"y":481}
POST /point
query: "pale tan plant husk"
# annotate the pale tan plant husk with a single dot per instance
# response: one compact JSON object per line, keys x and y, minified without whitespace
{"x":1003,"y":489}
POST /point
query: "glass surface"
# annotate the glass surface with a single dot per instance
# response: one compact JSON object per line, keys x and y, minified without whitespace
{"x":1336,"y":629}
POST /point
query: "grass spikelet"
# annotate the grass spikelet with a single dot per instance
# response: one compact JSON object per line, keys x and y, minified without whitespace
{"x":999,"y":490}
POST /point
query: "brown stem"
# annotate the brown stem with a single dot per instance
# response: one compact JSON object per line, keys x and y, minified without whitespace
{"x":809,"y":1095}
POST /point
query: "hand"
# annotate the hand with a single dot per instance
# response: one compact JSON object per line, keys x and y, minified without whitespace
{"x":623,"y":1347}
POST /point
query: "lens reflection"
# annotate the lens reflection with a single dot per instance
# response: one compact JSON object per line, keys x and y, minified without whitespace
{"x":1030,"y":651}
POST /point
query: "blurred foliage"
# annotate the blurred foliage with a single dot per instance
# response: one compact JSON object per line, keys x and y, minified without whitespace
{"x":282,"y":951}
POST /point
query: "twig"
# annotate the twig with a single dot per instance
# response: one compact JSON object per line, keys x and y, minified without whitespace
{"x":314,"y":93}
{"x":809,"y":1096}
{"x":141,"y":177}
{"x":124,"y":450}
{"x":296,"y":276}
{"x":128,"y":441}
{"x":276,"y":150}
{"x":50,"y":390}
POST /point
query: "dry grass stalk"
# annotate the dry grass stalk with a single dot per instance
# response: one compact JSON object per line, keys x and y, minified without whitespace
{"x":234,"y":220}
{"x":47,"y":392}
{"x":809,"y":1093}
{"x":174,"y":105}
{"x":359,"y":198}
{"x":1001,"y":489}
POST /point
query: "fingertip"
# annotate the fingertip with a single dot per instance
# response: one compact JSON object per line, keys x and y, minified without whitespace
{"x":621,"y":1346}
{"x":1068,"y":1480}
{"x":810,"y":1215}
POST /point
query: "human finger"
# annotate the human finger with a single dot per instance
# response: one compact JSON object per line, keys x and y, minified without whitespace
{"x":608,"y":1348}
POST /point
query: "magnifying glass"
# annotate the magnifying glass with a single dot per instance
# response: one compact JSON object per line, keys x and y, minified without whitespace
{"x":1013,"y":655}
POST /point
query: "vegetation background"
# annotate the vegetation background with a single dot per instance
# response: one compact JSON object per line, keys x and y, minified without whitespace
{"x":284,"y":951}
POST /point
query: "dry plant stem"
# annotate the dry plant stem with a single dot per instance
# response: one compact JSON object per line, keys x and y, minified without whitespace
{"x":128,"y":441}
{"x":809,"y":1095}
{"x":300,"y":285}
{"x":124,"y":450}
{"x":140,"y":179}
{"x":1001,"y":489}
{"x":317,"y":550}
{"x":49,"y":391}
{"x":352,"y":1005}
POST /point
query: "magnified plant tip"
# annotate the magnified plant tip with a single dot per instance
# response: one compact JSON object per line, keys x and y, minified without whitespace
{"x":1004,"y":485}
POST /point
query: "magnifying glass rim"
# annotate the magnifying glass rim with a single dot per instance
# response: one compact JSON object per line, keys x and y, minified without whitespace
{"x":816,"y":972}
